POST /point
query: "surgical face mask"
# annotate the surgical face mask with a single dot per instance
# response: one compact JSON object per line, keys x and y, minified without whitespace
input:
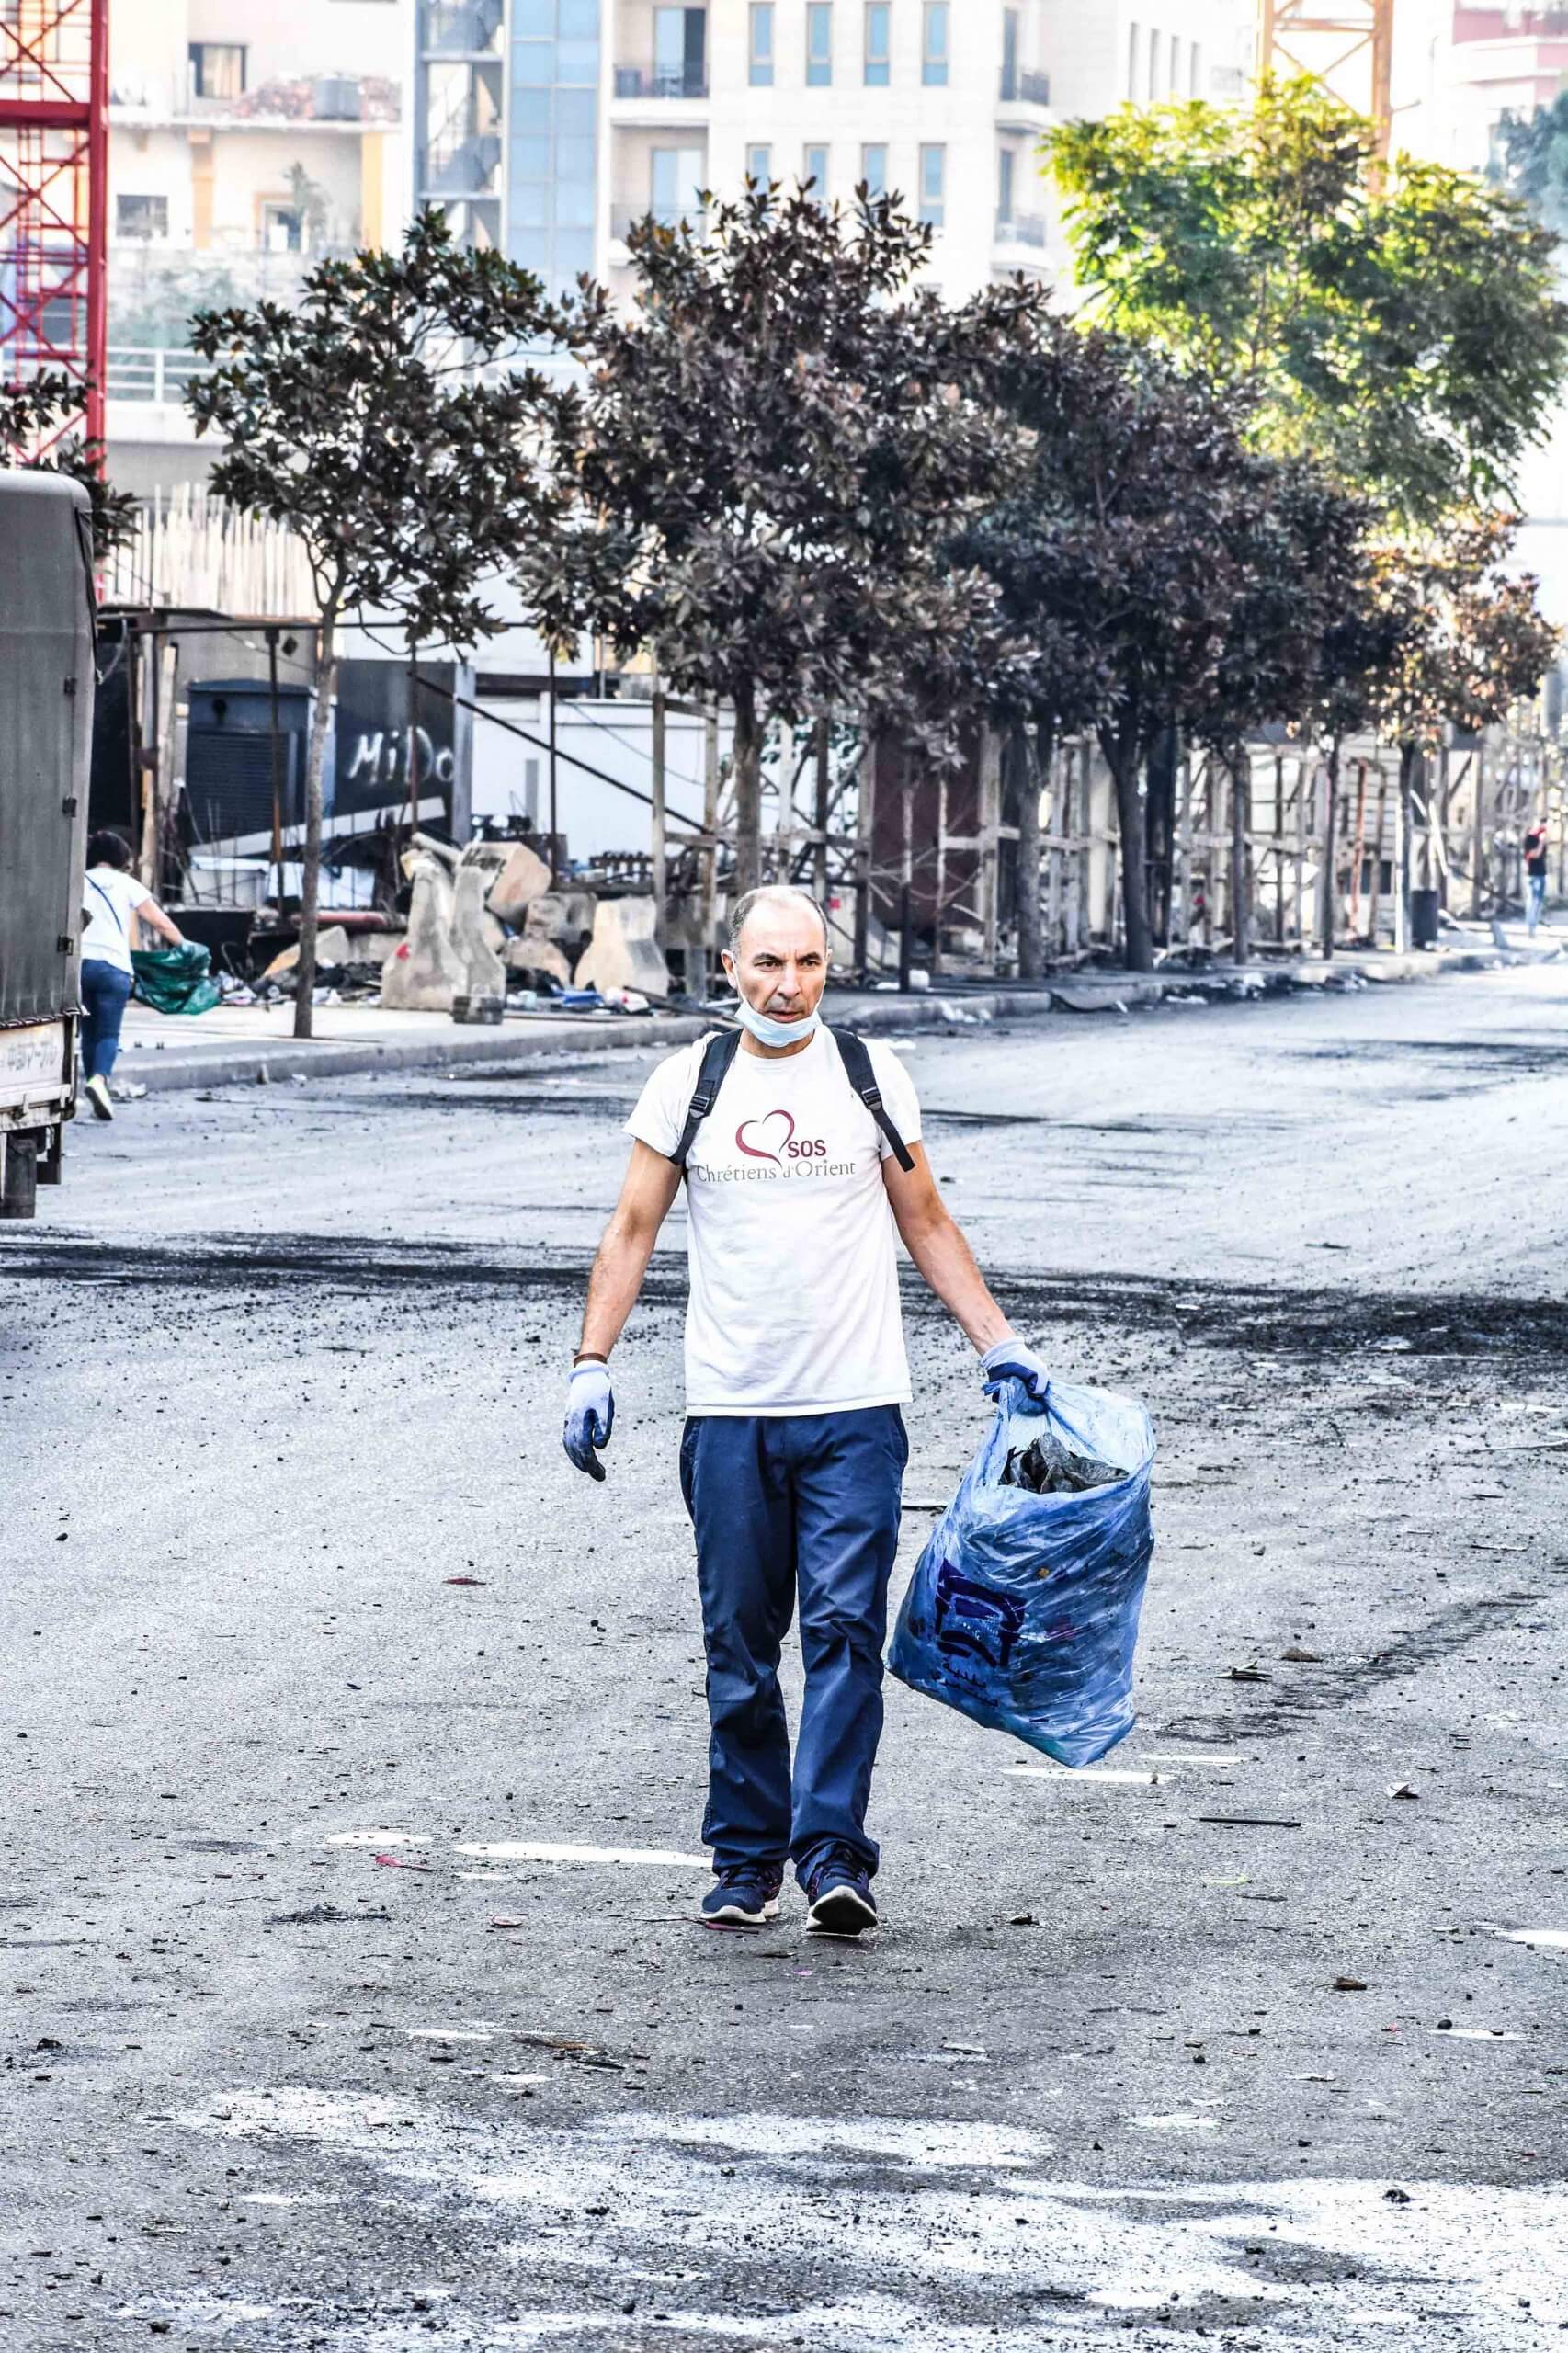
{"x":769,"y":1031}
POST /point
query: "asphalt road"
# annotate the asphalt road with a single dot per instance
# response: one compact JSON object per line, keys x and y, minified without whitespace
{"x":319,"y":1654}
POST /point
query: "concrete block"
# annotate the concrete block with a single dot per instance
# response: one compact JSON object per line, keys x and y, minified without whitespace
{"x":425,"y":971}
{"x":476,"y":934}
{"x":623,"y":953}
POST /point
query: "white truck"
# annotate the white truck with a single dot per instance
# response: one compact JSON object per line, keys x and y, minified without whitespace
{"x":46,"y":723}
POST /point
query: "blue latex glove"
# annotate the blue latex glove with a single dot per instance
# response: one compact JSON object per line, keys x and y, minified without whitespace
{"x":1012,"y":1360}
{"x":590,"y":1416}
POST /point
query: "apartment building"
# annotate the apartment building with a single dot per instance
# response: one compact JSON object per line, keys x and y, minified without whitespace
{"x":245,"y":141}
{"x":547,"y":126}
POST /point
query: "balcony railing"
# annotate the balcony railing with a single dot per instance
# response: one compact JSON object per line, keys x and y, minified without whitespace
{"x":661,"y":82}
{"x":1020,"y":229}
{"x":625,"y":218}
{"x":1024,"y":88}
{"x":145,"y":373}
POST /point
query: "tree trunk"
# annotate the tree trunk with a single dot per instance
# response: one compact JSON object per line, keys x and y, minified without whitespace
{"x":1402,"y":847}
{"x":309,"y":884}
{"x":1030,"y":763}
{"x":748,"y":794}
{"x":1328,"y":896}
{"x":1122,"y":755}
{"x":1240,"y":769}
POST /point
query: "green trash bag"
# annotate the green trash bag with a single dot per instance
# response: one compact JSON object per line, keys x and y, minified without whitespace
{"x":175,"y":980}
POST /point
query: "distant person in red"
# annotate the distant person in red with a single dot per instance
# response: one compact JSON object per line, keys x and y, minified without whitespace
{"x":1535,"y":873}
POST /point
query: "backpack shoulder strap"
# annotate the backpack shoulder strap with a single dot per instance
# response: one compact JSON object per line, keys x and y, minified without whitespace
{"x":717,"y":1055}
{"x":856,"y":1056}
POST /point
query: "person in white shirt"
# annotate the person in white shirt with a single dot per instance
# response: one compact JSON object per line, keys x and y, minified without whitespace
{"x":114,"y":902}
{"x":802,"y":1154}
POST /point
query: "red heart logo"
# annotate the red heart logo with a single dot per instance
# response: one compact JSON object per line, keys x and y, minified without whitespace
{"x":761,"y":1127}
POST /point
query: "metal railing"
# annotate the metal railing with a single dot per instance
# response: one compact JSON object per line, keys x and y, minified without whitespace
{"x":1020,"y":229}
{"x":668,"y":216}
{"x":150,"y":373}
{"x":1025,"y":87}
{"x":661,"y":82}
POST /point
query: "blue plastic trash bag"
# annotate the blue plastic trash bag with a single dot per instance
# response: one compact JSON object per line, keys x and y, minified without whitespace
{"x":1023,"y":1608}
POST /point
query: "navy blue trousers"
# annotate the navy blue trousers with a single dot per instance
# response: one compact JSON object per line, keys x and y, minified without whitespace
{"x":786,"y":1504}
{"x":105,"y":991}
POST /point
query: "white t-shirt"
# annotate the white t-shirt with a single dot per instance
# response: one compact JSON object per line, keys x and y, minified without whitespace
{"x":111,"y":899}
{"x":794,"y":1281}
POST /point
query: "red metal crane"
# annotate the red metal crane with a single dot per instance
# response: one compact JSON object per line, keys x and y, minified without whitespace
{"x":54,"y":194}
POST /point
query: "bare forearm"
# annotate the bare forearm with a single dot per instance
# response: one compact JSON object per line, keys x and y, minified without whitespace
{"x":946,"y":1262}
{"x":620,"y":1264}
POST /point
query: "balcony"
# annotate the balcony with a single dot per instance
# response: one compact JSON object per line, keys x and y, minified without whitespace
{"x":147,"y":374}
{"x":623,"y":218}
{"x":1020,"y":229}
{"x":689,"y":81}
{"x":1024,"y":88}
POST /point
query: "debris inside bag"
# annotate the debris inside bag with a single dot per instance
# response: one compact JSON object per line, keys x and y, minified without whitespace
{"x":1049,"y":1467}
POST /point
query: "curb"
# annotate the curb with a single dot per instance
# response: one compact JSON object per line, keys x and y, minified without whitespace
{"x":876,"y":1013}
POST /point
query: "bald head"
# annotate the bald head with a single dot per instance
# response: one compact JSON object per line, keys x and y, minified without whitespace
{"x":787,"y":899}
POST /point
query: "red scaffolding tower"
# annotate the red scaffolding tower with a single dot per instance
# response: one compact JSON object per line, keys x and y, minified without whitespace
{"x":54,"y":194}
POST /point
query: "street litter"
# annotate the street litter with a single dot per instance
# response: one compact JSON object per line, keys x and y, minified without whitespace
{"x":1296,"y":1657}
{"x":508,"y":1920}
{"x":1476,"y":2033}
{"x":378,"y":1838}
{"x":400,"y":1863}
{"x":464,"y":1580}
{"x":1251,"y":1821}
{"x":1349,"y":1986}
{"x":1023,"y":1608}
{"x":1087,"y":1773}
{"x":1403,"y":1790}
{"x":1249,"y":1673}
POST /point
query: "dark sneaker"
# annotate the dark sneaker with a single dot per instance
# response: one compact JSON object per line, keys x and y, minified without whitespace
{"x":840,"y":1893}
{"x":744,"y":1896}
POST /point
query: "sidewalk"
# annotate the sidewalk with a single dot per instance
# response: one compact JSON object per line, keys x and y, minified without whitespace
{"x":237,"y":1043}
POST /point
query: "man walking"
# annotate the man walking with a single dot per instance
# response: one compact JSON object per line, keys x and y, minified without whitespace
{"x":1535,"y":874}
{"x":800,"y":1150}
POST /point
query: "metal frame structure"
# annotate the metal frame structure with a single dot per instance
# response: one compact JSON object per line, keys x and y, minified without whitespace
{"x":54,"y":194}
{"x":1347,"y":45}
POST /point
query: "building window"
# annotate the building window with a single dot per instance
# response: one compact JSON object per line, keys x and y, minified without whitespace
{"x":879,"y":45}
{"x":813,"y":168}
{"x":675,"y":181}
{"x":1009,"y":54}
{"x":1195,"y":70}
{"x":142,"y":217}
{"x":282,"y":229}
{"x":761,"y":52}
{"x":680,"y":53}
{"x":1175,"y":65}
{"x":1153,"y":63}
{"x":818,"y":44}
{"x":217,"y":69}
{"x":1005,"y":162}
{"x":933,"y":185}
{"x":759,"y":165}
{"x":1132,"y":61}
{"x":874,"y":170}
{"x":934,"y":53}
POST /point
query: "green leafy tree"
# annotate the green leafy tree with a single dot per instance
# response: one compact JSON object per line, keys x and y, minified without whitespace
{"x":42,"y":429}
{"x":370,"y":423}
{"x":779,"y":433}
{"x":1403,"y":325}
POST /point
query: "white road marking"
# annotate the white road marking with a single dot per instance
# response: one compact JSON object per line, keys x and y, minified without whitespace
{"x":1554,"y":1939}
